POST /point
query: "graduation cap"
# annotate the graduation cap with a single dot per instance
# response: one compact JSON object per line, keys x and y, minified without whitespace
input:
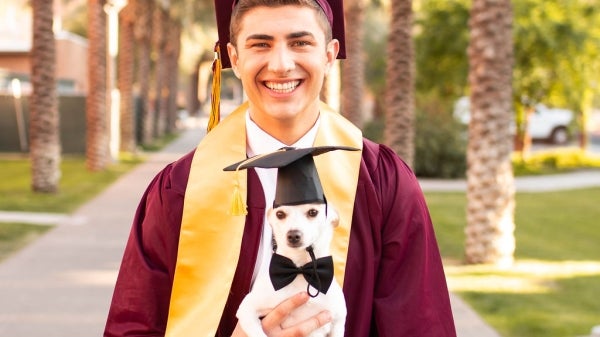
{"x":333,"y":9}
{"x":297,"y":178}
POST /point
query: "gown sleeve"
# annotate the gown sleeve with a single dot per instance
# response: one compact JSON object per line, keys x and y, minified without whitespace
{"x":140,"y":302}
{"x":410,"y":296}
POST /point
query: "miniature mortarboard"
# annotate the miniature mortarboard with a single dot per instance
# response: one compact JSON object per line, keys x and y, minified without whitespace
{"x":333,"y":9}
{"x":297,"y":178}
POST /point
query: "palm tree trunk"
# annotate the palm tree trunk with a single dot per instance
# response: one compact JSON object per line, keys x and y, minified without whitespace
{"x":159,"y":39}
{"x":490,"y":194}
{"x":143,"y":31}
{"x":399,"y":93}
{"x":44,"y":124}
{"x":173,"y":51}
{"x":353,"y":76}
{"x":126,"y":76}
{"x":97,"y":137}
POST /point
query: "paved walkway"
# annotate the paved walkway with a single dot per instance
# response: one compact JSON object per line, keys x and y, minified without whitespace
{"x":61,"y":285}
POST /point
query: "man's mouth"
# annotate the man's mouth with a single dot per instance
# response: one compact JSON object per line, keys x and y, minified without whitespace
{"x":282,"y":87}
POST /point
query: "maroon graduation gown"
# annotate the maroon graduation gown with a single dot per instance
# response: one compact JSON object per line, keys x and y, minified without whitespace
{"x":394,"y":283}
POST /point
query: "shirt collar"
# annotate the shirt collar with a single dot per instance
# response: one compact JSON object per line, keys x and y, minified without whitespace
{"x":260,"y":142}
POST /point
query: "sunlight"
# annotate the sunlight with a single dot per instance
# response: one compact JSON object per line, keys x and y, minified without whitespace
{"x":525,"y":276}
{"x":92,"y":277}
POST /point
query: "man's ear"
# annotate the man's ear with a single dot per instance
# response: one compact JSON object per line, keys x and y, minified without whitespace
{"x":233,"y":58}
{"x":333,"y":48}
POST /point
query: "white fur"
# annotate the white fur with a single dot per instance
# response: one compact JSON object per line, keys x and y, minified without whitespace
{"x":316,"y":230}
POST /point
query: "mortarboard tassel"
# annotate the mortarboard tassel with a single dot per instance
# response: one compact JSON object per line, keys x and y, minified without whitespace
{"x":238,"y":207}
{"x":215,"y":102}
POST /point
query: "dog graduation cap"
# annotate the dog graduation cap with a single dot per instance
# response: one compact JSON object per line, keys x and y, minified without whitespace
{"x":297,"y":178}
{"x":333,"y":9}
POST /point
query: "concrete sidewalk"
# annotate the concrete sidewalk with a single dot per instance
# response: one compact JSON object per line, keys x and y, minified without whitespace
{"x":61,"y":285}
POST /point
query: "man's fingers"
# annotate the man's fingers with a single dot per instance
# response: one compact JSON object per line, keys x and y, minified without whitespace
{"x":272,"y":322}
{"x":281,"y":311}
{"x":313,"y":323}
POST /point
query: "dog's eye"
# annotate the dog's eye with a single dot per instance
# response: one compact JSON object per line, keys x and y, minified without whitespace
{"x":312,"y":213}
{"x":280,"y":215}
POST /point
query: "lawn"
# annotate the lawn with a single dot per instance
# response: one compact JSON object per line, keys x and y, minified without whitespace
{"x":77,"y":185}
{"x":552,"y":290}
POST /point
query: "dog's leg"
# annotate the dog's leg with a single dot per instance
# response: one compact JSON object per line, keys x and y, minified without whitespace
{"x":249,"y":320}
{"x":337,"y":328}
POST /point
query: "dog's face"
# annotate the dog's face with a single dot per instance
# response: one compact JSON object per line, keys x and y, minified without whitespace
{"x":299,"y":226}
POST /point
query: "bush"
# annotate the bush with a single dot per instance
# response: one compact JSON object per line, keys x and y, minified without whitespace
{"x":553,"y":161}
{"x":440,"y":141}
{"x":440,"y":144}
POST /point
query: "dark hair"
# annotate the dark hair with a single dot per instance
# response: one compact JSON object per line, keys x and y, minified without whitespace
{"x":243,"y":6}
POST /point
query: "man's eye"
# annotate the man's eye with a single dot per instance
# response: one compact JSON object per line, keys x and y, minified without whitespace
{"x":259,"y":45}
{"x":280,"y":215}
{"x":312,"y":213}
{"x":300,"y":43}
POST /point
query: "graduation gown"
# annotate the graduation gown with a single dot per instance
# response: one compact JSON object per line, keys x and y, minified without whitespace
{"x":394,"y":282}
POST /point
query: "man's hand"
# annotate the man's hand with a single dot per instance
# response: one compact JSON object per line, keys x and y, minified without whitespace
{"x":271,"y":323}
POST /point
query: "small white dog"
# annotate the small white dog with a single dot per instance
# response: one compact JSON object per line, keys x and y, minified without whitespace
{"x":298,"y":230}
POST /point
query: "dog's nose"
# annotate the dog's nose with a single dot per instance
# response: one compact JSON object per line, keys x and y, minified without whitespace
{"x":294,"y":238}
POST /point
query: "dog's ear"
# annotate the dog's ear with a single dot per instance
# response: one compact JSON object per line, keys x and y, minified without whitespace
{"x":333,"y":217}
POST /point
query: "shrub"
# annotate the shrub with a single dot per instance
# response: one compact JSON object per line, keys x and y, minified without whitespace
{"x":440,"y":141}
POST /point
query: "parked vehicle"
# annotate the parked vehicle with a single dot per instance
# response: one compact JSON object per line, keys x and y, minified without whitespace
{"x":549,"y":124}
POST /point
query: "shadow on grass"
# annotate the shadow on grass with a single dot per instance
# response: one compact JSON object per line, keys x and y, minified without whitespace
{"x":534,"y":298}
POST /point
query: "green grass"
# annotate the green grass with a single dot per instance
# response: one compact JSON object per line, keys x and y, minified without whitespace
{"x":14,"y":236}
{"x":551,"y":291}
{"x":77,"y":185}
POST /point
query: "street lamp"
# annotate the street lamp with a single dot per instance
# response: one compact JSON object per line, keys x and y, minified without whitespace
{"x":112,"y":9}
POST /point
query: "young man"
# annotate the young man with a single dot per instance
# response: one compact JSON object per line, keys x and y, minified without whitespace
{"x":189,"y":261}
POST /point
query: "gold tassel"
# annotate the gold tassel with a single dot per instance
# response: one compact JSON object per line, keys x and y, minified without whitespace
{"x":215,"y":102}
{"x":238,"y":207}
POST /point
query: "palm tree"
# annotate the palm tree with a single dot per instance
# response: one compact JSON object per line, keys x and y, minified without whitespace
{"x":491,"y":193}
{"x":44,"y":131}
{"x":97,"y":136}
{"x":173,"y":49}
{"x":159,"y":39}
{"x":353,"y":77}
{"x":143,"y":33}
{"x":399,"y":92}
{"x":127,"y":18}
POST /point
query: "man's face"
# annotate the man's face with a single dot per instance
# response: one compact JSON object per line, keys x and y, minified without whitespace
{"x":282,"y":58}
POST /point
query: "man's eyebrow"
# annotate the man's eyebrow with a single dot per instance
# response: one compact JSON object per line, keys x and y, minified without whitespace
{"x":260,"y":37}
{"x":296,"y":35}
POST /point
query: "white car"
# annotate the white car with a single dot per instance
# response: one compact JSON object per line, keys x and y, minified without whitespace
{"x":545,"y":123}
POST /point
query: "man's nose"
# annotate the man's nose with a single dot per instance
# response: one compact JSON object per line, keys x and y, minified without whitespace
{"x":281,"y":60}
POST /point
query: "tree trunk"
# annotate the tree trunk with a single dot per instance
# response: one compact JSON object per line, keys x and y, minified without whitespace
{"x":173,"y":51}
{"x":399,"y":92}
{"x":126,"y":76}
{"x":97,"y":136}
{"x":490,"y":194}
{"x":44,"y":121}
{"x":353,"y":75}
{"x":159,"y":37}
{"x":143,"y":29}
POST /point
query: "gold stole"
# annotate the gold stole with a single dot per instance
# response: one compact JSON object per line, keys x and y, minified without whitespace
{"x":210,"y":238}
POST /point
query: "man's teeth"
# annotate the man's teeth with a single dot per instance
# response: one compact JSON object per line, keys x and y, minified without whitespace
{"x":282,"y":87}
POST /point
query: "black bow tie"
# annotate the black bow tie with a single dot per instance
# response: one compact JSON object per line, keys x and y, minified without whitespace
{"x":318,"y":273}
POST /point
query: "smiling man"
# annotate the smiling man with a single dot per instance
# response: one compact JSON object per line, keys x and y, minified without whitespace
{"x":190,"y":260}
